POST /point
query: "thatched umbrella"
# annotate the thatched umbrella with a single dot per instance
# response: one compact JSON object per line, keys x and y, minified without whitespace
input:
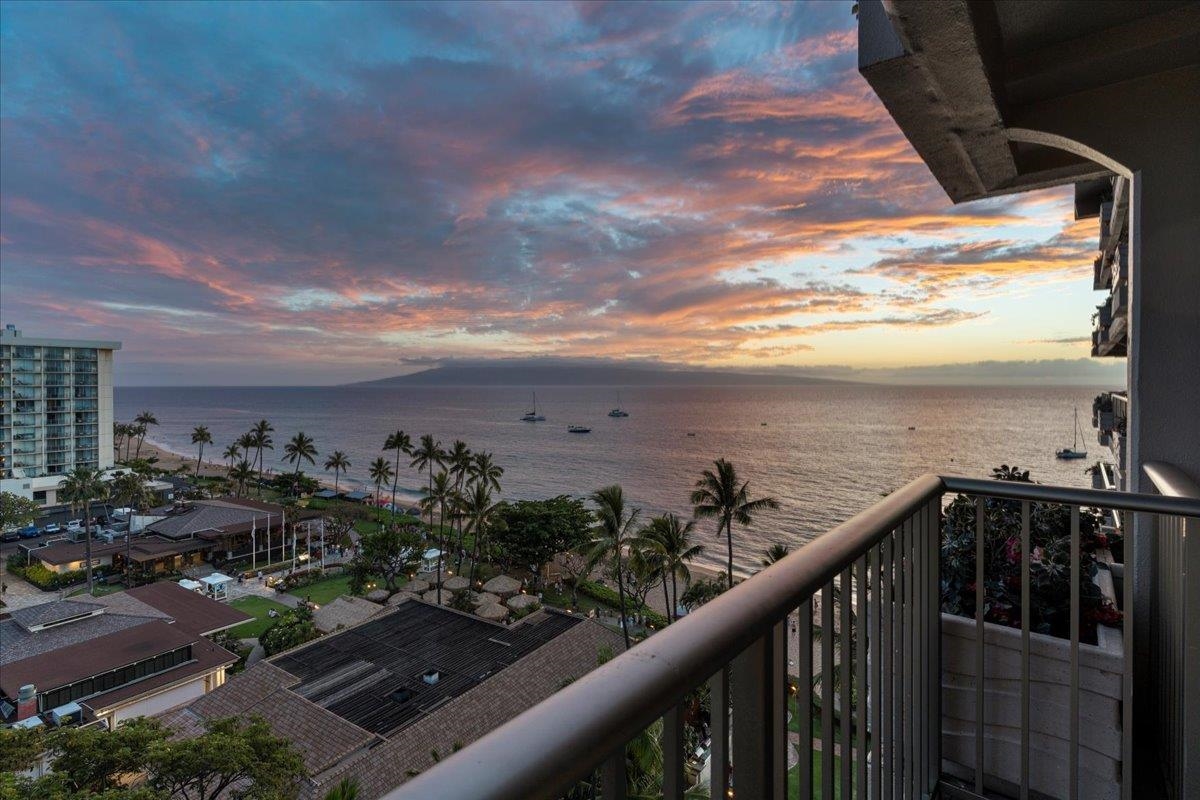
{"x":455,"y":584}
{"x":503,"y":585}
{"x":484,"y":598}
{"x":416,"y":586}
{"x":492,"y":611}
{"x":521,"y":601}
{"x":400,"y":597}
{"x":432,"y":597}
{"x":378,"y":595}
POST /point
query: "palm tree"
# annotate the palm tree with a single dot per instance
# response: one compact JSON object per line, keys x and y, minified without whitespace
{"x":339,"y":463}
{"x":143,"y":420}
{"x":300,"y":448}
{"x":776,"y":552}
{"x":481,"y":514}
{"x":200,"y":436}
{"x":346,"y":789}
{"x":487,"y":471}
{"x":719,"y":494}
{"x":401,"y":442}
{"x":80,"y":488}
{"x":118,"y":434}
{"x":132,"y":490}
{"x":381,"y":473}
{"x":241,"y":474}
{"x":612,"y":534}
{"x":460,"y":460}
{"x":427,"y":456}
{"x":440,"y":493}
{"x":669,"y":536}
{"x":260,"y":439}
{"x":231,"y":454}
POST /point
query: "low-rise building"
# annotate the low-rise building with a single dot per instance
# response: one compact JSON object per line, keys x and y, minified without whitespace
{"x":381,"y":701}
{"x":112,"y":658}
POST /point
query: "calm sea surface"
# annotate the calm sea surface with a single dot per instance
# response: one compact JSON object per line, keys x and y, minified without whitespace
{"x":826,"y":452}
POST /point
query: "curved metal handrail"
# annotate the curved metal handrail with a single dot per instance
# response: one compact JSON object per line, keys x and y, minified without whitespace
{"x":1170,"y":480}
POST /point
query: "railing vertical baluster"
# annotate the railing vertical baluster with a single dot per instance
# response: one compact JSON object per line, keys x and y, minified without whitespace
{"x":804,"y":698}
{"x":752,"y":724}
{"x":887,"y":693}
{"x":827,"y":692}
{"x":1073,"y":753}
{"x":874,"y":608}
{"x":718,"y":690}
{"x":897,"y":664}
{"x":934,"y":735}
{"x":612,"y":776}
{"x":860,"y":666}
{"x":921,"y":708}
{"x":910,"y":705}
{"x":673,"y":755}
{"x":1025,"y":719}
{"x":779,"y":702}
{"x":979,"y":600}
{"x":1130,"y":558}
{"x":846,"y":674}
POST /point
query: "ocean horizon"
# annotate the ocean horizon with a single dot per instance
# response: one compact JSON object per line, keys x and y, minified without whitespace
{"x":825,"y":452}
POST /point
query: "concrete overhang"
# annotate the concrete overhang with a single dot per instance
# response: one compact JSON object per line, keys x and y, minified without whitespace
{"x":961,"y":76}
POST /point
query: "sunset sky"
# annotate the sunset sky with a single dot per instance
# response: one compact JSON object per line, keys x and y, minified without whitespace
{"x":329,"y":192}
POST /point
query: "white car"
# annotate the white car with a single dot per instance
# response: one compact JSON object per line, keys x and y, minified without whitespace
{"x":74,"y":525}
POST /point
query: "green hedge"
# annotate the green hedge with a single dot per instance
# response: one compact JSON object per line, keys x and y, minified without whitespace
{"x":610,"y":598}
{"x":40,"y":576}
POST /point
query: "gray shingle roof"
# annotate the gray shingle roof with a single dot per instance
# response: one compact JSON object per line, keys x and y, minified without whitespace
{"x":54,"y":611}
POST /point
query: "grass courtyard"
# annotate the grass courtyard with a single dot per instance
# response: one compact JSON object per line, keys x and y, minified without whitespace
{"x":256,"y":607}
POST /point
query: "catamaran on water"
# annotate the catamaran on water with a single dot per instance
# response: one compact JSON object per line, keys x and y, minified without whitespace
{"x":618,"y":411}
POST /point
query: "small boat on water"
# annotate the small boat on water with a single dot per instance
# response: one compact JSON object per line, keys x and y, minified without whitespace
{"x":578,"y":429}
{"x":618,"y":411}
{"x":1072,"y":451}
{"x":532,"y":415}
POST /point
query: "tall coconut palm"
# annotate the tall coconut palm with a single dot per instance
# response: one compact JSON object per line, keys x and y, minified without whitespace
{"x":81,"y":488}
{"x":614,"y":531}
{"x":441,"y":492}
{"x":143,"y":420}
{"x":131,"y":490}
{"x":201,"y":437}
{"x":481,"y":515}
{"x":428,"y":456}
{"x":260,"y":437}
{"x":670,"y":537}
{"x":339,"y":463}
{"x":118,"y":434}
{"x":460,"y":460}
{"x":401,"y":442}
{"x":241,"y":474}
{"x":486,"y":471}
{"x":776,"y":552}
{"x":381,"y":473}
{"x":231,"y":454}
{"x":300,"y":448}
{"x":720,"y":494}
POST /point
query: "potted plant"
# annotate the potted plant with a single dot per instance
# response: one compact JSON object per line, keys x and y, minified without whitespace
{"x":1101,"y":649}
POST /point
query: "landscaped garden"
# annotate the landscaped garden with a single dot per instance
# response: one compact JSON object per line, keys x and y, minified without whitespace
{"x":257,"y":607}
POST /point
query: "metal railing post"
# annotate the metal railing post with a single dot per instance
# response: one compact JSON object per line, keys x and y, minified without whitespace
{"x":753,"y":723}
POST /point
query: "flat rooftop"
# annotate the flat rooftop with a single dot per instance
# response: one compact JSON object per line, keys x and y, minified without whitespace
{"x":373,"y":675}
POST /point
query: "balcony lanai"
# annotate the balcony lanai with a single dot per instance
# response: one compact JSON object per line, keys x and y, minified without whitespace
{"x":996,"y":97}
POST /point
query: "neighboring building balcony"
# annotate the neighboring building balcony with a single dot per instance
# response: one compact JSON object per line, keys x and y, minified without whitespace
{"x":1052,"y":717}
{"x":56,"y":366}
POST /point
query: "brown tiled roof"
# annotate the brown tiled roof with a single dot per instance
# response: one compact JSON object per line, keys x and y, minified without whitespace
{"x":207,"y":657}
{"x":243,"y":691}
{"x":54,"y":611}
{"x":74,"y":662}
{"x":141,"y":548}
{"x":192,"y":612}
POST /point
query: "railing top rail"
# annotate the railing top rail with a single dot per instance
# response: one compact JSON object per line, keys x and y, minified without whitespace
{"x":611,"y":704}
{"x":1099,"y":498}
{"x":1170,"y":480}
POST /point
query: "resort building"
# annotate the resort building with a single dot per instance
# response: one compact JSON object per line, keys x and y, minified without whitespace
{"x":382,"y":701}
{"x":56,"y":411}
{"x":955,"y":700}
{"x":108,"y":659}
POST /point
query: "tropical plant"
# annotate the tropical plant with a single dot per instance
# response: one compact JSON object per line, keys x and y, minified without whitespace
{"x":131,"y":489}
{"x":389,"y":554}
{"x":536,"y":530}
{"x":702,"y":591}
{"x":428,"y":456}
{"x":381,"y":473}
{"x":143,"y":420}
{"x":241,"y":474}
{"x":260,"y":439}
{"x":339,"y":462}
{"x":487,"y":472}
{"x":776,"y":552}
{"x":481,"y":516}
{"x":293,"y":628}
{"x":16,"y":511}
{"x":460,"y":459}
{"x":300,"y":448}
{"x":201,"y":437}
{"x":613,"y":532}
{"x":400,"y":442}
{"x":81,"y":488}
{"x":670,"y":537}
{"x":346,"y":789}
{"x":232,"y":453}
{"x":720,"y":494}
{"x":440,"y":493}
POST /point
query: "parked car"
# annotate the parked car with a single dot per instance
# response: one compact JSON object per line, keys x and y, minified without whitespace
{"x":53,"y":527}
{"x":29,"y":532}
{"x":10,"y":536}
{"x":74,"y":525}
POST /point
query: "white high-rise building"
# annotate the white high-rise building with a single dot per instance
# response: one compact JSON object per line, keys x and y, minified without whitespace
{"x":56,"y":410}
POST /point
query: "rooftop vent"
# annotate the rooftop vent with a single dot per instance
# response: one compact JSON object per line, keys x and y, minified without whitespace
{"x":431,"y":677}
{"x":401,"y":695}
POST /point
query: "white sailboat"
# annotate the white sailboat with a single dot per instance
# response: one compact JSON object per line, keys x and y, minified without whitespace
{"x":1072,"y":451}
{"x":532,"y":415}
{"x":618,"y":411}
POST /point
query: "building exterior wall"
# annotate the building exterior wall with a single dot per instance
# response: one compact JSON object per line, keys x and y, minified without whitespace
{"x":56,"y":410}
{"x":165,"y":700}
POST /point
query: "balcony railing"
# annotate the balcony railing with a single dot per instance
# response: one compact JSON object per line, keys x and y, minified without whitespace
{"x":874,"y":581}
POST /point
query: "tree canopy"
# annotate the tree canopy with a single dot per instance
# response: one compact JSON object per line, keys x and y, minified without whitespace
{"x":16,"y":511}
{"x":389,"y":554}
{"x":534,"y":531}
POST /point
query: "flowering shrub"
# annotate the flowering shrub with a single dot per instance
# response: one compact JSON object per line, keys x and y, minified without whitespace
{"x":1050,"y":564}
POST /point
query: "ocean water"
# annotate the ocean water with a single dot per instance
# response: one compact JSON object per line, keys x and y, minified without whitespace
{"x":825,"y":452}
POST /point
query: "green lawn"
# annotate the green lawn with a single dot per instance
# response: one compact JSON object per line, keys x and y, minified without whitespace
{"x":101,"y":589}
{"x":324,"y":590}
{"x":256,"y":607}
